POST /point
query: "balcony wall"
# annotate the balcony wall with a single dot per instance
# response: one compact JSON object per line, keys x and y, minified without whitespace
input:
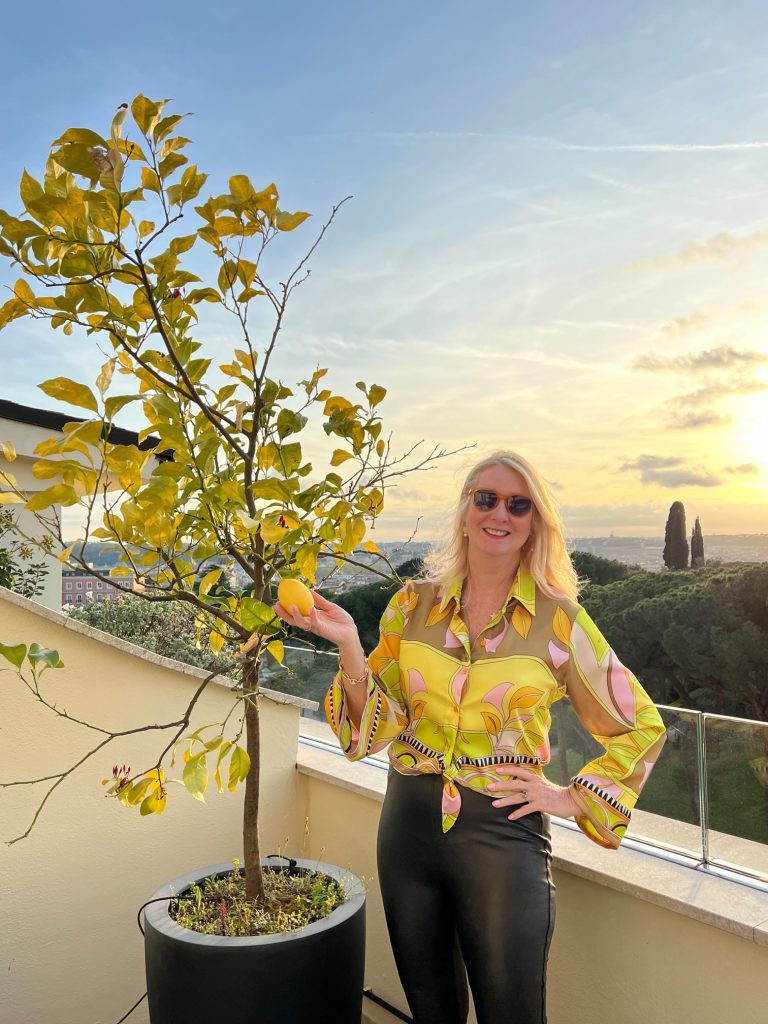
{"x":637,"y":938}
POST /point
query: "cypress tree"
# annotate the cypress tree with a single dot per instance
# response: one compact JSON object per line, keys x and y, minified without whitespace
{"x":676,"y":538}
{"x":697,"y":546}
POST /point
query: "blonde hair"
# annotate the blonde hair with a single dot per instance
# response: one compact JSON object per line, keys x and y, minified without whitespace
{"x":545,"y":553}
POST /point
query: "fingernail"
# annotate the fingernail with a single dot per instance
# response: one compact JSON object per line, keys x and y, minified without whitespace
{"x":492,"y":785}
{"x":496,"y":803}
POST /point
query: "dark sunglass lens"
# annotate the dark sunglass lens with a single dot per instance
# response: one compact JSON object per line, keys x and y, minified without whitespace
{"x":519,"y":506}
{"x":486,"y":500}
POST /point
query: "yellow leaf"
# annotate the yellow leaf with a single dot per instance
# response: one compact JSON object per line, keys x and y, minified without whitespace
{"x":105,"y":376}
{"x":435,"y":615}
{"x":208,"y":580}
{"x":23,"y":292}
{"x":29,"y":188}
{"x":239,"y":766}
{"x":145,"y":113}
{"x":305,"y":560}
{"x":66,"y":390}
{"x":155,"y":803}
{"x":9,"y":498}
{"x":64,"y":556}
{"x":272,"y":533}
{"x":521,"y":620}
{"x":195,"y":776}
{"x":149,"y":180}
{"x":121,"y":570}
{"x":289,"y":221}
{"x":61,"y":494}
{"x":370,"y":546}
{"x":7,"y":450}
{"x":525,"y":697}
{"x":492,"y":722}
{"x":277,"y":650}
{"x":146,"y":227}
{"x":339,"y":456}
{"x":216,"y":641}
{"x":561,"y":626}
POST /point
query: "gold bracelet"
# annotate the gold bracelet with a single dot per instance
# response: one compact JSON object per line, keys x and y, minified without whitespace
{"x":352,"y":680}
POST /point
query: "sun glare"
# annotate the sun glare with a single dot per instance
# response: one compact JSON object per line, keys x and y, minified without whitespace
{"x":752,"y":431}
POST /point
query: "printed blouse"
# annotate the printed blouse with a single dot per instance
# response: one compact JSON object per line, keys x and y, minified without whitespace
{"x":449,"y":707}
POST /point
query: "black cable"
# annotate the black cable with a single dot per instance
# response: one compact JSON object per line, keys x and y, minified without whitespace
{"x":368,"y":993}
{"x":132,"y":1009}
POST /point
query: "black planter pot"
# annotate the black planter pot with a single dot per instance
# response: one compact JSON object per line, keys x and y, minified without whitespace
{"x":312,"y":976}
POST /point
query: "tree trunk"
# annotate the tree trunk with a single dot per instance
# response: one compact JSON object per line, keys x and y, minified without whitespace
{"x":254,"y":877}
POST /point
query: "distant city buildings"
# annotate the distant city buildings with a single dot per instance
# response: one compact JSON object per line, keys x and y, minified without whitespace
{"x":79,"y":587}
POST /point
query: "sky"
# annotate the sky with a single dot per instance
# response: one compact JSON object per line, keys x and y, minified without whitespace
{"x":557,"y":241}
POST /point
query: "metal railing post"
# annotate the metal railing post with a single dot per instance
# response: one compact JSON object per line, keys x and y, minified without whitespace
{"x":701,"y":750}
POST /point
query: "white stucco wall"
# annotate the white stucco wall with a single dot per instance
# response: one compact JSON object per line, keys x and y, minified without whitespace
{"x":70,"y":950}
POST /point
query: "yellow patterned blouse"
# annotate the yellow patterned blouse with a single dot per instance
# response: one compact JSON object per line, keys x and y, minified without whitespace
{"x":460,"y":710}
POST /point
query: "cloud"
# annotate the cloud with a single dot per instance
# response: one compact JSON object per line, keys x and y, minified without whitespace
{"x":746,"y":468}
{"x":670,"y":471}
{"x":720,"y":248}
{"x":724,"y":357}
{"x":660,"y":147}
{"x":734,"y":370}
{"x":694,"y":420}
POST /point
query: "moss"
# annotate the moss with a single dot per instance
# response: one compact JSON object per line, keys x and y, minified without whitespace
{"x":294,"y":899}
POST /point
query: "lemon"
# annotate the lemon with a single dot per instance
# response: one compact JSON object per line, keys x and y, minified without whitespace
{"x":290,"y":592}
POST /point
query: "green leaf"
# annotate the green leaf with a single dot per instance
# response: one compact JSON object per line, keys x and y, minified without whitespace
{"x":257,"y":617}
{"x":195,"y":775}
{"x":44,"y":655}
{"x":112,"y":406}
{"x":289,"y":422}
{"x":66,"y":390}
{"x":15,"y":653}
{"x":239,"y":766}
{"x":271,"y":490}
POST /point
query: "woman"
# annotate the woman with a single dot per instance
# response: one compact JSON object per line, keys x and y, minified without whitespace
{"x":469,"y":661}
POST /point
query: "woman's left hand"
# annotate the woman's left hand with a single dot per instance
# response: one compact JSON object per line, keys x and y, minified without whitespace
{"x":530,"y":792}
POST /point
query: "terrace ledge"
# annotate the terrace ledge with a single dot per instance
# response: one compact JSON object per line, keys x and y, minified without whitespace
{"x":731,"y":906}
{"x":62,"y":619}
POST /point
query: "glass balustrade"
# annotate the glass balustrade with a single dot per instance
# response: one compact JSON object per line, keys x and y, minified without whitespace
{"x":707,"y":797}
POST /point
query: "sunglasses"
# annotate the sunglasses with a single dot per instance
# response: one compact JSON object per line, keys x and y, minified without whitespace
{"x":486,"y":501}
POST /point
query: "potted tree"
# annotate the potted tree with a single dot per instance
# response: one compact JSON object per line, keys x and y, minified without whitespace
{"x":232,"y":497}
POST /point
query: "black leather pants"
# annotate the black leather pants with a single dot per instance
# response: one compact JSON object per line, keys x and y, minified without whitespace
{"x":481,"y":893}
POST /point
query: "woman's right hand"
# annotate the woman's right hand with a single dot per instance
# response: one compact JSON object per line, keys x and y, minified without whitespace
{"x":325,"y":619}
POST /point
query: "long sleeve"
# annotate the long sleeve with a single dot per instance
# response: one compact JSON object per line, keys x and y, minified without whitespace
{"x":384,"y":715}
{"x":616,"y":710}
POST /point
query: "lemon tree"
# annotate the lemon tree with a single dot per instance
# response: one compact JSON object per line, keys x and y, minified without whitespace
{"x":116,"y":247}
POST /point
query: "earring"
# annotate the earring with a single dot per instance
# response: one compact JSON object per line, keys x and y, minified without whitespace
{"x":464,"y":533}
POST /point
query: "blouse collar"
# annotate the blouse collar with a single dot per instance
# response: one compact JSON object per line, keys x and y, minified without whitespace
{"x":523,"y":589}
